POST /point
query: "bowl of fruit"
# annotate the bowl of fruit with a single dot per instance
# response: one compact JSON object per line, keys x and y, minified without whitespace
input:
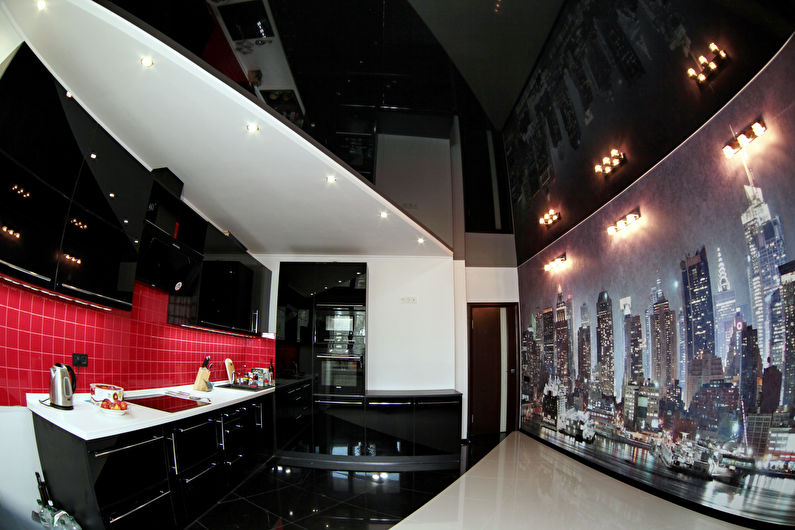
{"x":115,"y":408}
{"x":100,"y":392}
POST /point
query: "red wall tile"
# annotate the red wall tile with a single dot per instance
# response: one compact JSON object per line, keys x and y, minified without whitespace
{"x":135,"y":350}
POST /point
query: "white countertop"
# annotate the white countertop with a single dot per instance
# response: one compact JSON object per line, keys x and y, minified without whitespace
{"x":88,"y":422}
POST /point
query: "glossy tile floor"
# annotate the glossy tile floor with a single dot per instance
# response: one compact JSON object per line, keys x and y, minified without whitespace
{"x":524,"y":484}
{"x":296,"y":498}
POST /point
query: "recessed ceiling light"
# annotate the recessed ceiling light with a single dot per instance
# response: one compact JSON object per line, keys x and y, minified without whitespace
{"x":125,"y":221}
{"x":68,"y":94}
{"x":384,"y":215}
{"x":420,"y":240}
{"x":252,"y":127}
{"x":147,"y":61}
{"x":41,"y":4}
{"x":331,"y":179}
{"x":112,"y":195}
{"x":93,"y":155}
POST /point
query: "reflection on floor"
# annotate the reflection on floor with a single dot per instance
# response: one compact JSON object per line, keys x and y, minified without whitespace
{"x":295,"y":498}
{"x":525,"y":484}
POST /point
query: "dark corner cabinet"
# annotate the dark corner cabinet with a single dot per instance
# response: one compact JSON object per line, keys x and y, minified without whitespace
{"x":231,"y":291}
{"x":168,"y":475}
{"x":73,"y":200}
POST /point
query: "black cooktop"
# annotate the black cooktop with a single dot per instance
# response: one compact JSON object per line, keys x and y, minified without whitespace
{"x":167,"y":403}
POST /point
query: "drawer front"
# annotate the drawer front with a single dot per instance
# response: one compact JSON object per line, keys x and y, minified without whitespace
{"x":152,"y":506}
{"x":201,"y":487}
{"x":132,"y":464}
{"x":193,"y":442}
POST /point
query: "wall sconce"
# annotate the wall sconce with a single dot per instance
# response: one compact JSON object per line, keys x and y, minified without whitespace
{"x":707,"y":67}
{"x":625,"y":222}
{"x":611,"y":163}
{"x":11,"y":233}
{"x":745,"y":137}
{"x":556,"y":264}
{"x":72,"y":259}
{"x":549,"y":218}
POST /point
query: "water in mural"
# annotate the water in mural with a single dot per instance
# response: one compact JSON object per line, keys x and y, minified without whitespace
{"x":663,"y":348}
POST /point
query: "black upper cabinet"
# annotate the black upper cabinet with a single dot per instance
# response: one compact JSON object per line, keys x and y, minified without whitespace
{"x":97,"y":261}
{"x":32,"y":218}
{"x":176,"y":219}
{"x":35,"y":132}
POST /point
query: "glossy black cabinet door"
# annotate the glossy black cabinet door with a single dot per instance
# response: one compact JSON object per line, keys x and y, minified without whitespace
{"x":194,"y":441}
{"x":200,"y":486}
{"x":32,"y":217}
{"x":390,"y":427}
{"x":97,"y":261}
{"x":35,"y":132}
{"x":294,"y":417}
{"x":437,"y":425}
{"x":338,"y":426}
{"x":153,"y":504}
{"x":225,"y":295}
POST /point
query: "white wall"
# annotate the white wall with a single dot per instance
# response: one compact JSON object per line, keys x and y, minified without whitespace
{"x":19,"y":460}
{"x":461,"y":341}
{"x":414,"y":172}
{"x":9,"y":40}
{"x":410,"y":308}
{"x":492,"y":284}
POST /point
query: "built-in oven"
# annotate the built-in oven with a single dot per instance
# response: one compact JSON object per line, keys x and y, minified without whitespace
{"x":339,"y":348}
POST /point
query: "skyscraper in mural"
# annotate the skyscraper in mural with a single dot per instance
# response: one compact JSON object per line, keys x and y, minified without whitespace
{"x":633,"y":347}
{"x":654,"y":294}
{"x":584,"y":346}
{"x":605,"y":353}
{"x":750,"y":370}
{"x":663,"y":344}
{"x":787,"y":272}
{"x":765,"y":246}
{"x":562,"y":342}
{"x":697,"y":301}
{"x":548,"y":339}
{"x":681,"y":355}
{"x":725,"y":308}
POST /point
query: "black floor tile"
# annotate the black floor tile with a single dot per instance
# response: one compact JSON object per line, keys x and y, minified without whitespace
{"x":264,"y":481}
{"x":238,"y":514}
{"x":398,"y":504}
{"x":292,"y":502}
{"x":433,"y":482}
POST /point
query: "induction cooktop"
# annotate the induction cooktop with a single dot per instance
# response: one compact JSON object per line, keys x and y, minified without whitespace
{"x":166,"y":403}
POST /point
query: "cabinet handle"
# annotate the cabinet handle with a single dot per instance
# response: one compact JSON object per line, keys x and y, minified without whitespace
{"x":103,"y":453}
{"x":389,"y":402}
{"x":189,"y":480}
{"x":231,"y":462}
{"x":186,"y":429}
{"x":26,"y":271}
{"x":144,"y":505}
{"x":343,"y":357}
{"x":234,"y":428}
{"x":174,"y":452}
{"x":92,"y":293}
{"x":338,"y":402}
{"x":258,"y":406}
{"x":437,"y":403}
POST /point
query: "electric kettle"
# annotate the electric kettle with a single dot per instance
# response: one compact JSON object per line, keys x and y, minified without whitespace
{"x":63,"y":382}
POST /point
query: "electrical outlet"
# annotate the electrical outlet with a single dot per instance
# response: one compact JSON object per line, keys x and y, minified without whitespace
{"x":408,"y":300}
{"x":80,"y":359}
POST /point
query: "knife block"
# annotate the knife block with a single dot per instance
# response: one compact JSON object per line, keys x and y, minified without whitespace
{"x":202,"y":382}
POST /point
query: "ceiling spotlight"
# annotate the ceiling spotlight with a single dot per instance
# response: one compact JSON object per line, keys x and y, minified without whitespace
{"x":556,"y":264}
{"x":625,"y":222}
{"x":384,"y":215}
{"x":41,"y":4}
{"x":68,"y":94}
{"x":707,"y":66}
{"x":420,"y":240}
{"x":611,"y":162}
{"x":744,"y":138}
{"x":549,"y":218}
{"x":93,"y":155}
{"x":112,"y":195}
{"x":252,"y":127}
{"x":125,"y":221}
{"x":147,"y":61}
{"x":331,"y":179}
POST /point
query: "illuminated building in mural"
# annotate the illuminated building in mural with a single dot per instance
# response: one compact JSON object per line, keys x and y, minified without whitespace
{"x":663,"y":344}
{"x":562,"y":343}
{"x":697,"y":300}
{"x":787,"y":272}
{"x":605,"y":354}
{"x":633,"y":350}
{"x":725,"y":308}
{"x":765,"y":247}
{"x":750,"y":370}
{"x":654,"y":294}
{"x":548,"y":339}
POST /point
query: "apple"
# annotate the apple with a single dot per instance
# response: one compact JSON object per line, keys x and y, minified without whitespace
{"x":105,"y":404}
{"x":123,"y":405}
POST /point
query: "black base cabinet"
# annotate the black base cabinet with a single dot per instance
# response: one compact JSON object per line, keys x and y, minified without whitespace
{"x":167,"y":475}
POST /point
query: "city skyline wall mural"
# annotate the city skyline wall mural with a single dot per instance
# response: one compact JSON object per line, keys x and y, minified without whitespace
{"x":613,"y":74}
{"x":661,"y":345}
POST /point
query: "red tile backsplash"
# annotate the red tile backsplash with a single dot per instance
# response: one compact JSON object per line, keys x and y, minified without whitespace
{"x":135,"y":350}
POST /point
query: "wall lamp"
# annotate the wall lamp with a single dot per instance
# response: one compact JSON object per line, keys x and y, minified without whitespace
{"x":556,"y":264}
{"x":745,"y":137}
{"x":707,"y":67}
{"x":611,"y":163}
{"x":549,"y":218}
{"x":625,"y":222}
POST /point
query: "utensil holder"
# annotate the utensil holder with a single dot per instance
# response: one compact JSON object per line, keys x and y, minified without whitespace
{"x":202,"y":382}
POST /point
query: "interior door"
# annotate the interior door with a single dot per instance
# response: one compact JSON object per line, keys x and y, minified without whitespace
{"x":493,"y":401}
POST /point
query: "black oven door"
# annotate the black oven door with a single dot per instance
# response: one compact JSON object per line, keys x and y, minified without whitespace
{"x":339,"y":374}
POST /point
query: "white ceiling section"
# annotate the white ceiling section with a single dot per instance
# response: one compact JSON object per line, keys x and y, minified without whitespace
{"x":268,"y":188}
{"x":493,"y":43}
